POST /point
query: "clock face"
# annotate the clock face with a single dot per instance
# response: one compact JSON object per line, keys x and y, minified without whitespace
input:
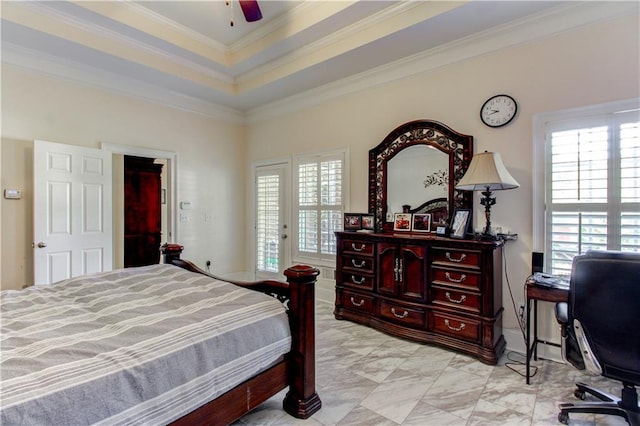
{"x":498,"y":111}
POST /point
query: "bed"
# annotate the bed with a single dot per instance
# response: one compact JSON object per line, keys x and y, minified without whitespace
{"x":160,"y":344}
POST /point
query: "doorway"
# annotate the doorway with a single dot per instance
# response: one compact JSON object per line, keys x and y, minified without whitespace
{"x":167,"y":195}
{"x":142,"y":211}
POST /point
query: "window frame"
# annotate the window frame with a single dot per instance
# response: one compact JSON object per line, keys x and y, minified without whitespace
{"x":541,"y":158}
{"x":343,"y":154}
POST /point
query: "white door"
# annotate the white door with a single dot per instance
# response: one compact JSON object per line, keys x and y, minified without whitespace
{"x":271,"y":229}
{"x":72,"y":211}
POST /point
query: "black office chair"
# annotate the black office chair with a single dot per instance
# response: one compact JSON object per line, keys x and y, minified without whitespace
{"x":601,"y":330}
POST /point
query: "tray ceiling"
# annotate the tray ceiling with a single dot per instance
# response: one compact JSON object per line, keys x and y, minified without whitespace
{"x":187,"y":49}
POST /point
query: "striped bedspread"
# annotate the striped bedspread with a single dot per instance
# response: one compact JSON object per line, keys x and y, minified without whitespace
{"x":133,"y":346}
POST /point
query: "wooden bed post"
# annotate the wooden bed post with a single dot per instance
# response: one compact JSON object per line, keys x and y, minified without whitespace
{"x":302,"y":400}
{"x":170,"y":252}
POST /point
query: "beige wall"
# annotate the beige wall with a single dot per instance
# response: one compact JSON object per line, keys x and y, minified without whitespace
{"x":592,"y":65}
{"x":211,"y":161}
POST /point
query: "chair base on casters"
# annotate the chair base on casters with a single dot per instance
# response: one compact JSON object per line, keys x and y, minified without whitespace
{"x":626,"y":407}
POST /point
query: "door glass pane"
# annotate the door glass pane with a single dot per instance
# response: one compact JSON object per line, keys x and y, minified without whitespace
{"x":268,"y":223}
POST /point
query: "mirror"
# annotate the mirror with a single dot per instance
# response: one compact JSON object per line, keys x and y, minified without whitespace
{"x":415,"y":169}
{"x":416,"y":174}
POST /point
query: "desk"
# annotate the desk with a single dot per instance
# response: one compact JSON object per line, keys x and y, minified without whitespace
{"x":545,"y":294}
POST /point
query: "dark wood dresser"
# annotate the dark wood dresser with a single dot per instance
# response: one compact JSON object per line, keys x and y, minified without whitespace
{"x":424,"y":288}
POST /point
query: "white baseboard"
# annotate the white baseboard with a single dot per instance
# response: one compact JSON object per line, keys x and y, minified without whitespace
{"x":515,"y":343}
{"x":325,"y":290}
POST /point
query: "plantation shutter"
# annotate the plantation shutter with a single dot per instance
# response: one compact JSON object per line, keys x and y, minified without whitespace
{"x":320,"y":180}
{"x":593,"y":188}
{"x":268,"y":221}
{"x":630,"y":186}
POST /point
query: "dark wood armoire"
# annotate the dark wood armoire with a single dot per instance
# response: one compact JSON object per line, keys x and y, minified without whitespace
{"x":142,"y":211}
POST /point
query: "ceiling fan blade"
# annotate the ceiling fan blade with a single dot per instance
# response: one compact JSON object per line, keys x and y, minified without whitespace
{"x":251,"y":10}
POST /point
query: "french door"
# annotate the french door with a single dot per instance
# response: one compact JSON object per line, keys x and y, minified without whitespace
{"x":272,"y":231}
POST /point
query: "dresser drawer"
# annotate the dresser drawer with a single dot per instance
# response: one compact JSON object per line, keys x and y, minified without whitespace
{"x":456,"y":278}
{"x":357,"y":280}
{"x":360,"y":247}
{"x":360,"y":263}
{"x":464,"y":258}
{"x":358,"y":302}
{"x":460,"y":327}
{"x":398,"y":313}
{"x":458,"y":299}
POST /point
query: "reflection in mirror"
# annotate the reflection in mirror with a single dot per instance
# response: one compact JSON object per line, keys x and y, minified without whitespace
{"x":417,"y":174}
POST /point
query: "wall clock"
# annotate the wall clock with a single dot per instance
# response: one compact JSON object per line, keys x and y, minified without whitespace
{"x":498,"y":110}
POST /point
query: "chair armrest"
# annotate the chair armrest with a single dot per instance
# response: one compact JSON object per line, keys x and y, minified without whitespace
{"x":562,"y":313}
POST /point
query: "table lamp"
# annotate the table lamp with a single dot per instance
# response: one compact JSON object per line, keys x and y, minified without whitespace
{"x":487,"y":173}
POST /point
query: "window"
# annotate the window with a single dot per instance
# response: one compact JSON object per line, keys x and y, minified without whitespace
{"x":592,"y":184}
{"x":320,"y":201}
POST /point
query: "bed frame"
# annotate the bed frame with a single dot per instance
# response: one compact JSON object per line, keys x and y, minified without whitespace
{"x":295,"y":370}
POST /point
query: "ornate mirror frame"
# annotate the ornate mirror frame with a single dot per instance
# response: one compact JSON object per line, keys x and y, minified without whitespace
{"x":457,"y":146}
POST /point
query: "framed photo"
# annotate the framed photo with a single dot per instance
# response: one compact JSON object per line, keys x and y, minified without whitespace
{"x":421,"y":222}
{"x":402,"y":222}
{"x":352,"y":221}
{"x":460,"y":223}
{"x":368,"y":222}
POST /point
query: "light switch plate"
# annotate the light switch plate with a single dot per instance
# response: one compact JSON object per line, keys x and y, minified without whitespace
{"x":12,"y":194}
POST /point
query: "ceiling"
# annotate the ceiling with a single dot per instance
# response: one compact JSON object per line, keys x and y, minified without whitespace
{"x":186,"y":51}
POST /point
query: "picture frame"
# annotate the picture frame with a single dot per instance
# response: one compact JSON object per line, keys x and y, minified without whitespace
{"x":368,"y":222}
{"x":402,"y":222}
{"x":352,"y":221}
{"x":421,"y":222}
{"x":460,"y":223}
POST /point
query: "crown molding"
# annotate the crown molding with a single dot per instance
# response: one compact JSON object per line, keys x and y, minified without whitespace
{"x":545,"y":24}
{"x":92,"y":77}
{"x":55,"y":16}
{"x":352,"y":32}
{"x":179,"y":28}
{"x":272,"y":26}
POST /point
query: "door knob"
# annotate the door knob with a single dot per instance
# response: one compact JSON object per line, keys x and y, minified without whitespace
{"x":284,"y":236}
{"x":42,"y":244}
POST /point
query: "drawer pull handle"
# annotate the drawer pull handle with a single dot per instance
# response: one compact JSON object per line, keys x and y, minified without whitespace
{"x":395,"y":314}
{"x":358,"y":265}
{"x":354,"y":303}
{"x":462,"y":298}
{"x":458,"y":260}
{"x":454,"y":280}
{"x":360,"y":281}
{"x":362,"y":247}
{"x":462,"y":325}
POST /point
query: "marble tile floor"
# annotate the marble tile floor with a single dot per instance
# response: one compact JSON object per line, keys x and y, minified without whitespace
{"x":365,"y":377}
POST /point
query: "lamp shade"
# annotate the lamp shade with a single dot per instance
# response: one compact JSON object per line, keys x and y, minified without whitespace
{"x":487,"y":171}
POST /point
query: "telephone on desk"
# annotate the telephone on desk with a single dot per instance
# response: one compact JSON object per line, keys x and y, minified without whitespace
{"x":543,"y":279}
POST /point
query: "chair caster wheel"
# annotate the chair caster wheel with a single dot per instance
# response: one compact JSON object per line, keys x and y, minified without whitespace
{"x":563,"y":417}
{"x":579,"y":393}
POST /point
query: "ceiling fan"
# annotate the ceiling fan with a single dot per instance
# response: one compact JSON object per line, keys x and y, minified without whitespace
{"x":250,"y":10}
